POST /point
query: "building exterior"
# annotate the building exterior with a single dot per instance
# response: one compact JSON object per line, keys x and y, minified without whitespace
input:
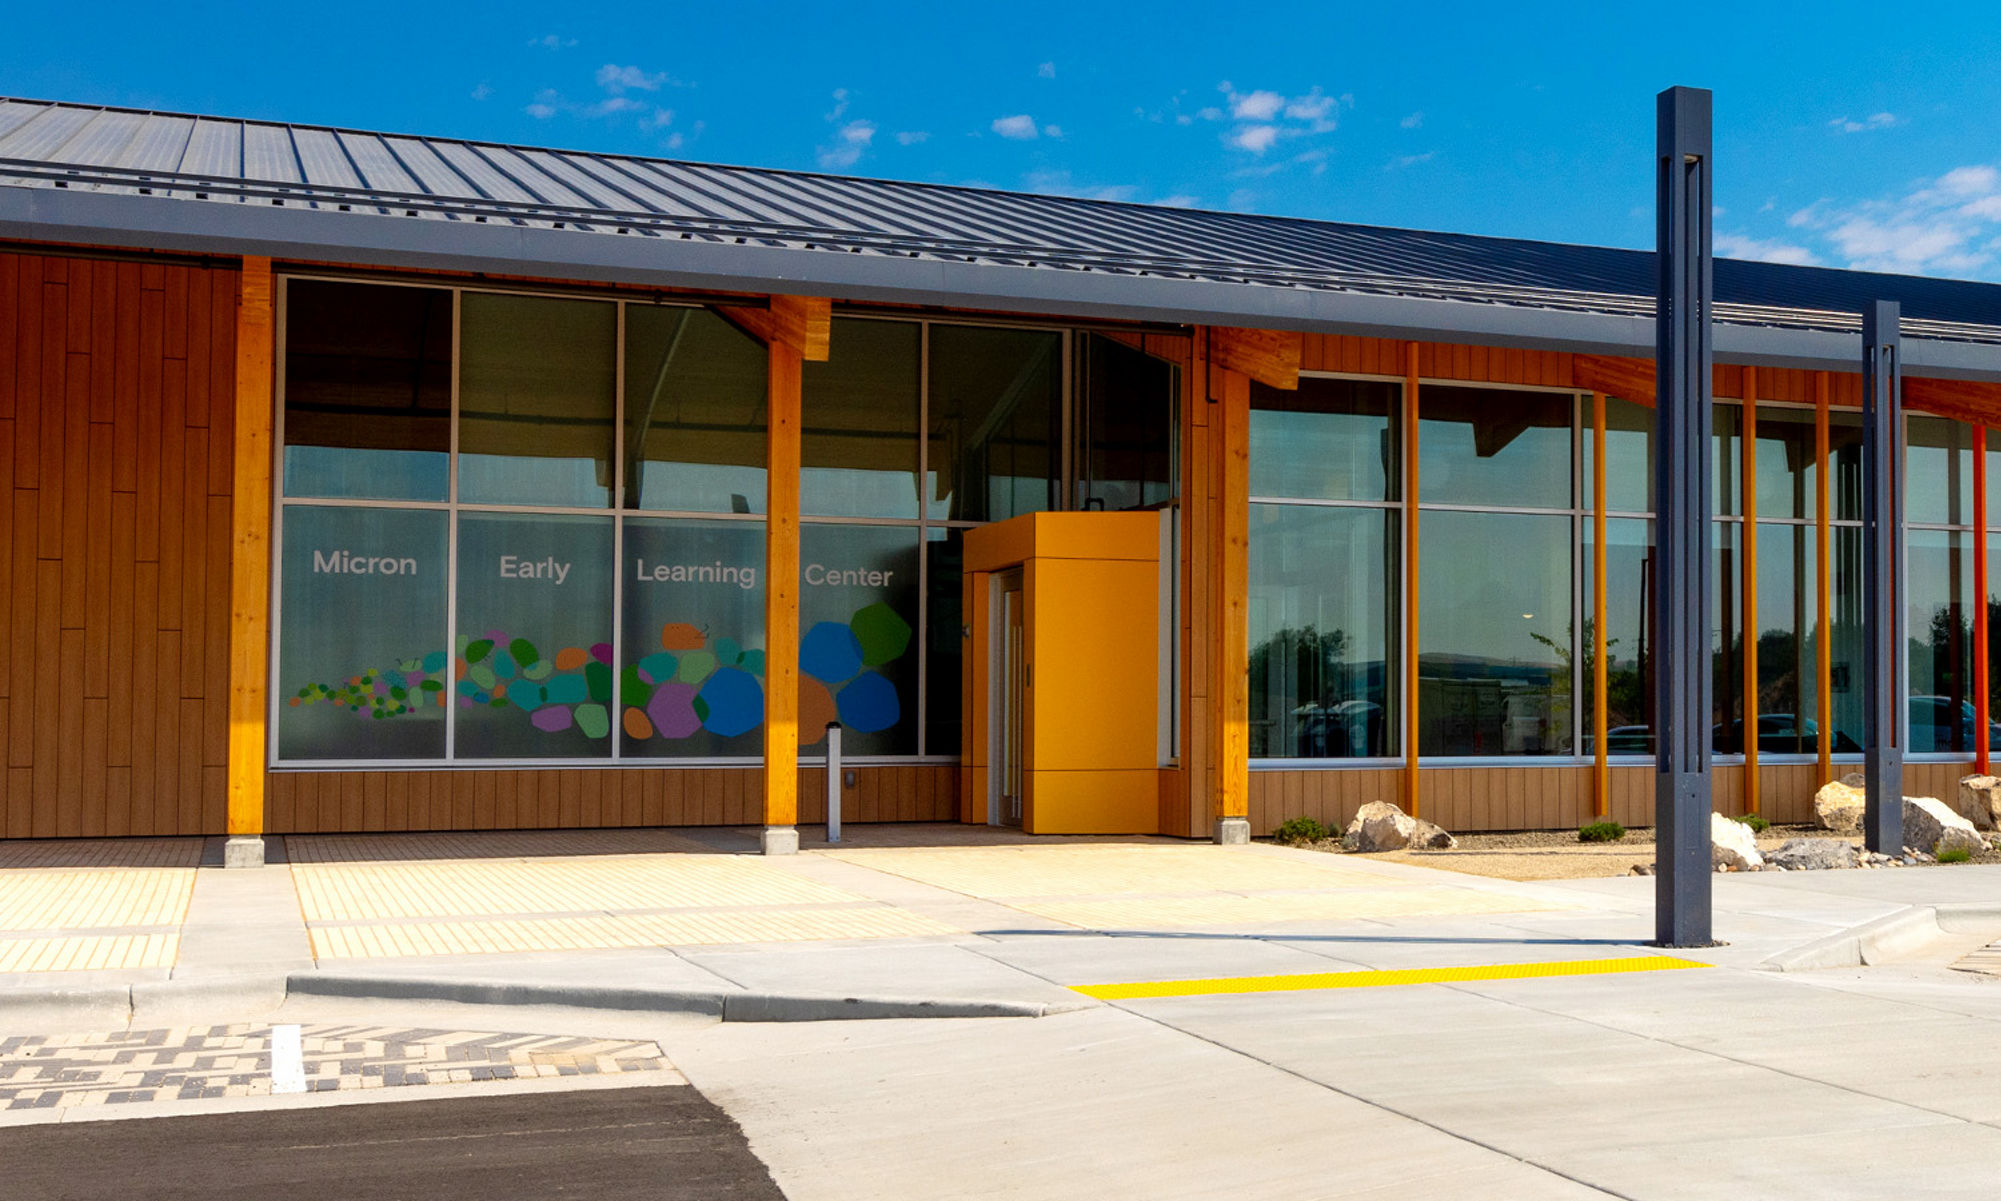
{"x":366,"y":482}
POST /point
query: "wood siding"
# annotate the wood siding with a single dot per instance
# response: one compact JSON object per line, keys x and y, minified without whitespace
{"x":313,"y":802}
{"x":116,"y":387}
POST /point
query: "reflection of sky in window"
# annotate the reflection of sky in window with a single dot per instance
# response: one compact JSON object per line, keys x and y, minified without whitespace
{"x":357,"y":473}
{"x":1492,"y":581}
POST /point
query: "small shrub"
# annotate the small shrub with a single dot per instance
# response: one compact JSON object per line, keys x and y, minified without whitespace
{"x":1299,"y":831}
{"x":1954,"y":855}
{"x":1602,"y":832}
{"x":1758,"y":824}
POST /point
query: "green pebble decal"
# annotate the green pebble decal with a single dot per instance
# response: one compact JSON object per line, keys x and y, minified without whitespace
{"x":475,"y":651}
{"x":883,"y":633}
{"x":593,"y":720}
{"x":523,"y":651}
{"x":696,"y":666}
{"x":598,"y":676}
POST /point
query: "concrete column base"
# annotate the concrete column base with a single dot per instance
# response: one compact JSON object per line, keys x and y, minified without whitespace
{"x":1233,"y":831}
{"x":780,"y":840}
{"x":243,"y":850}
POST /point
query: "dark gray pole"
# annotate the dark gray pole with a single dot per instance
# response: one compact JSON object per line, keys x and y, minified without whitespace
{"x":1682,"y":388}
{"x":1883,"y":577}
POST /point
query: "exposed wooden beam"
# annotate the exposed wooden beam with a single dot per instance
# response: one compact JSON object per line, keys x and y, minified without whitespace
{"x":1269,"y":356}
{"x":1628,"y":379}
{"x":781,"y":591}
{"x":1232,"y":694}
{"x":1962,"y":400}
{"x":804,"y":323}
{"x":250,"y":550}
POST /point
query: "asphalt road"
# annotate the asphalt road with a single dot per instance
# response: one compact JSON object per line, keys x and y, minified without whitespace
{"x":640,"y":1143}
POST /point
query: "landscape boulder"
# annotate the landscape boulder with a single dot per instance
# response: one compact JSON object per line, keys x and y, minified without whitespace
{"x":1814,"y":854}
{"x":1980,"y":801}
{"x":1383,"y":826}
{"x":1732,"y":845}
{"x":1838,"y":806}
{"x":1931,"y":826}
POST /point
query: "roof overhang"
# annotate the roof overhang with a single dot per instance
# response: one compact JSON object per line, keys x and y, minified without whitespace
{"x":129,"y":220}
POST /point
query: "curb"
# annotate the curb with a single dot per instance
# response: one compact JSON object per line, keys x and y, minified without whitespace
{"x":1888,"y":938}
{"x":206,"y":999}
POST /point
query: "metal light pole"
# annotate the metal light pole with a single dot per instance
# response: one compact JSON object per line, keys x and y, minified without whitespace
{"x":1883,"y":578}
{"x":1682,"y":360}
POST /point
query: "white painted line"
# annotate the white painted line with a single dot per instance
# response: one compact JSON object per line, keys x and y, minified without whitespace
{"x":288,"y":1061}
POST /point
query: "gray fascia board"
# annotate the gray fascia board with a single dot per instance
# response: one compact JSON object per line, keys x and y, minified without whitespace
{"x":133,"y":221}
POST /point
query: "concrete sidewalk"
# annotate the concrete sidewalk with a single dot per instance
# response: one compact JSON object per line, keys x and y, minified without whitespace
{"x":897,"y":921}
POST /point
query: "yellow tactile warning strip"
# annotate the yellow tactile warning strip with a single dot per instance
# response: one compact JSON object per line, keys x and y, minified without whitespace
{"x":1179,"y":887}
{"x":1148,"y":989}
{"x":391,"y":905}
{"x":94,"y":905}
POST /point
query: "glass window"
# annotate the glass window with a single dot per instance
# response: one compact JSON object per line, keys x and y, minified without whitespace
{"x":1129,"y":409}
{"x":1629,"y":681}
{"x":1845,"y":653}
{"x":1788,"y":611}
{"x":1491,"y":446}
{"x":537,"y":399}
{"x":1785,"y":462}
{"x":692,"y":682}
{"x":363,"y":671}
{"x":1938,"y":471}
{"x":368,"y":390}
{"x":996,"y":422}
{"x":1494,"y":649}
{"x":1323,"y":611}
{"x":1726,"y":464}
{"x":534,"y":636}
{"x":1726,"y":637}
{"x":859,"y":441}
{"x":695,"y":414}
{"x":945,"y":564}
{"x":1333,"y":439}
{"x":1629,"y":452}
{"x":858,"y":637}
{"x":1844,"y":441}
{"x":1939,"y":616}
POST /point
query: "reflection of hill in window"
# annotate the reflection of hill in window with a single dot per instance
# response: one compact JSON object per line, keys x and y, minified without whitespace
{"x":694,"y":412}
{"x":368,"y":397}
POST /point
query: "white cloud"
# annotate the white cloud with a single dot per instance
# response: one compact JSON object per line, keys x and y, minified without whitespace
{"x":1255,"y":138}
{"x":553,"y":41}
{"x":850,"y":142}
{"x":1211,"y":113}
{"x":840,"y":104}
{"x":1180,"y":200}
{"x":1873,"y":121}
{"x":1406,"y":161}
{"x":1765,"y":250}
{"x":1046,"y":71}
{"x":540,"y":110}
{"x":1256,"y":106}
{"x":1021,"y":126}
{"x":1948,"y":225}
{"x":616,"y":79}
{"x":912,"y":137}
{"x":482,"y":91}
{"x":1243,"y":200}
{"x":1413,"y":121}
{"x":1052,"y":131}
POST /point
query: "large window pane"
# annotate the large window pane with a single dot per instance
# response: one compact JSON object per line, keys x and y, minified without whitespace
{"x":1494,"y":650}
{"x":1726,"y":459}
{"x":1938,"y":474}
{"x":1629,"y":451}
{"x":1491,"y":446}
{"x":858,"y":637}
{"x":1939,"y":591}
{"x":537,"y":399}
{"x":859,"y":444}
{"x":1788,"y":609}
{"x":694,"y":412}
{"x":1127,"y":411}
{"x":1726,"y":637}
{"x":1323,"y":607}
{"x":368,"y":390}
{"x":1333,"y":439}
{"x":1845,"y":653}
{"x":692,"y":684}
{"x":945,"y":564}
{"x":1629,"y":680}
{"x":362,"y":668}
{"x":1785,"y":462}
{"x":996,"y":422}
{"x":534,"y":637}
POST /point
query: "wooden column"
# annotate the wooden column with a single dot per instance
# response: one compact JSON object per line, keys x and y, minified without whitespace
{"x":1748,"y":489}
{"x":1410,"y":594}
{"x":1601,"y":769}
{"x":1232,"y":654}
{"x":1980,"y":706}
{"x":250,"y":562}
{"x":1824,"y":577}
{"x":781,"y":590}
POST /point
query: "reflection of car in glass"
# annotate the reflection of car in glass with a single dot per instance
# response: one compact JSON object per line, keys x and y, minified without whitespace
{"x":1779,"y":734}
{"x":1629,"y":740}
{"x":1937,"y":724}
{"x":1345,"y":730}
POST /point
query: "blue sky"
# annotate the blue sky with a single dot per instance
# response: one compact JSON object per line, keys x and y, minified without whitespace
{"x":1847,"y":134}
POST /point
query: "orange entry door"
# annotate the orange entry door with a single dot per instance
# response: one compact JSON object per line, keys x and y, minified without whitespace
{"x":1009,"y":674}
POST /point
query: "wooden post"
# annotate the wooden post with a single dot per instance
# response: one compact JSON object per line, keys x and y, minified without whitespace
{"x":1748,"y":489}
{"x":1980,"y":705}
{"x":781,"y":600}
{"x":1410,"y":591}
{"x":250,"y":565}
{"x":1232,"y":658}
{"x":1824,"y":576}
{"x":1601,"y":770}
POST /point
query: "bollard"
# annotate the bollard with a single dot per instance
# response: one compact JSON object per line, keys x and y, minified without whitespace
{"x":833,"y":781}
